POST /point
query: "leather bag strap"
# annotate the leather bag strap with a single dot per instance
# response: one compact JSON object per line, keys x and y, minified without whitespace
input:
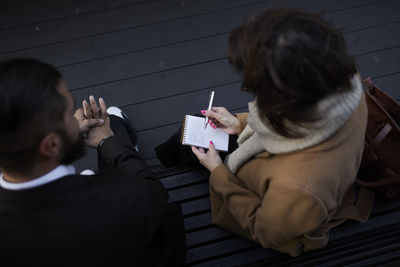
{"x":380,"y":136}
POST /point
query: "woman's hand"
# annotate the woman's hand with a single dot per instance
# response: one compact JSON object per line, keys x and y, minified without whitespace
{"x":209,"y":159}
{"x":219,"y":117}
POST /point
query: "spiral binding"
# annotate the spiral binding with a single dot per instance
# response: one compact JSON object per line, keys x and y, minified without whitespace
{"x":183,"y":133}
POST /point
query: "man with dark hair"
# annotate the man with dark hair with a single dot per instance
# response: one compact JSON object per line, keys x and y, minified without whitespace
{"x":52,"y":216}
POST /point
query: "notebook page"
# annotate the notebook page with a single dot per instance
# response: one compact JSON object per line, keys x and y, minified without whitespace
{"x":196,"y":135}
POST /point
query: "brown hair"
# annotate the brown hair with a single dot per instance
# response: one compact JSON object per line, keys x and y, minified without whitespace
{"x":290,"y":60}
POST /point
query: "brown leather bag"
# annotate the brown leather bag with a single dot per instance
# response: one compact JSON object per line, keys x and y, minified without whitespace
{"x":380,"y":166}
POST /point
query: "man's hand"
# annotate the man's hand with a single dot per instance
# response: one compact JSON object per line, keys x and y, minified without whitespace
{"x":84,"y":123}
{"x":93,"y":113}
{"x":211,"y":159}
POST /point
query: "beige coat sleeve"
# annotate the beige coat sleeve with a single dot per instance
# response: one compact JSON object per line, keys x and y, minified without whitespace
{"x":242,"y":117}
{"x":283,"y":214}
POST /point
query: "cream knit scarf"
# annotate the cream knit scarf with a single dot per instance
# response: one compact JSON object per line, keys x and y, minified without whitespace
{"x":258,"y":137}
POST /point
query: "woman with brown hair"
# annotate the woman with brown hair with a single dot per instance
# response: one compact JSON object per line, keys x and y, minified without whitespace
{"x":300,"y":145}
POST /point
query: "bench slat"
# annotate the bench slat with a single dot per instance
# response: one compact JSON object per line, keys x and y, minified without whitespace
{"x":239,"y":258}
{"x":359,"y":228}
{"x":206,"y":235}
{"x":198,"y":205}
{"x":184,"y":179}
{"x":218,"y":248}
{"x":197,"y":221}
{"x":339,"y":252}
{"x":189,"y":192}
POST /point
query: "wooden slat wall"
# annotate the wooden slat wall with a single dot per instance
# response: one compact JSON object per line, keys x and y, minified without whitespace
{"x":158,"y":59}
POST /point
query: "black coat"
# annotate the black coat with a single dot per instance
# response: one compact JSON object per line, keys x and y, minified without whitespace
{"x":119,"y":217}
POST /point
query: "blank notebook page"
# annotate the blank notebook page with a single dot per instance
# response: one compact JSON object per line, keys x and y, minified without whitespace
{"x":194,"y":134}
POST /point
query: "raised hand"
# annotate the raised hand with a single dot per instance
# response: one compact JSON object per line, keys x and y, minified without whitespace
{"x":85,"y":117}
{"x":84,"y":123}
{"x":93,"y":112}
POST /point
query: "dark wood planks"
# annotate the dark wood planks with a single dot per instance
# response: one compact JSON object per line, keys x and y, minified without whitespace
{"x":390,"y":85}
{"x":214,"y":21}
{"x":138,"y":38}
{"x":231,"y":248}
{"x":351,"y":250}
{"x":107,"y":21}
{"x":145,"y":62}
{"x":34,"y":12}
{"x":153,"y":63}
{"x":373,"y":39}
{"x":5,"y":3}
{"x":371,"y":15}
{"x":379,"y":64}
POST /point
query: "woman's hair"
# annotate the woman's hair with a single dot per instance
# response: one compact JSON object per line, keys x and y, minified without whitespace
{"x":290,"y":60}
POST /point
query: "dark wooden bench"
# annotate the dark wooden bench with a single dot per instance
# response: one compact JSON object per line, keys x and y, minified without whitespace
{"x":375,"y":242}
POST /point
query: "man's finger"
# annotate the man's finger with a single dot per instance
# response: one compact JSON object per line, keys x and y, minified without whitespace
{"x":86,"y":124}
{"x":103,"y":107}
{"x":79,"y":114}
{"x":93,"y":106}
{"x":94,"y":122}
{"x":86,"y":109}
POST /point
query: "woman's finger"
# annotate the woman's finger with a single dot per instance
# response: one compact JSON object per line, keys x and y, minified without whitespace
{"x":218,"y":109}
{"x":212,"y":123}
{"x":211,"y":148}
{"x":212,"y":115}
{"x":219,"y":125}
{"x":195,"y":151}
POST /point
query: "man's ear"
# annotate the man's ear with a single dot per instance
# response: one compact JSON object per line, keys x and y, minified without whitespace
{"x":50,"y":146}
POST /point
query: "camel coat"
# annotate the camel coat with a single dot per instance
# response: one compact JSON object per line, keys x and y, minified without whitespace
{"x":289,"y":201}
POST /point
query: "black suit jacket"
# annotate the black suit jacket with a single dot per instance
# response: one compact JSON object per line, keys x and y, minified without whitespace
{"x":119,"y":217}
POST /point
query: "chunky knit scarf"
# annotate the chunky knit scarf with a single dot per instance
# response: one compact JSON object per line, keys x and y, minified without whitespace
{"x":259,"y":137}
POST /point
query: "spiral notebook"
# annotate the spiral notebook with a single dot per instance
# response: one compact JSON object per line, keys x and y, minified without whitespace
{"x":194,"y":134}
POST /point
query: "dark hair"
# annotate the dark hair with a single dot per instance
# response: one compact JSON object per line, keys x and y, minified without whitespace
{"x":30,"y":108}
{"x":290,"y":60}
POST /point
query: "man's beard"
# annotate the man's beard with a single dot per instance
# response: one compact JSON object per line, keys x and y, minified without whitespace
{"x":73,"y":150}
